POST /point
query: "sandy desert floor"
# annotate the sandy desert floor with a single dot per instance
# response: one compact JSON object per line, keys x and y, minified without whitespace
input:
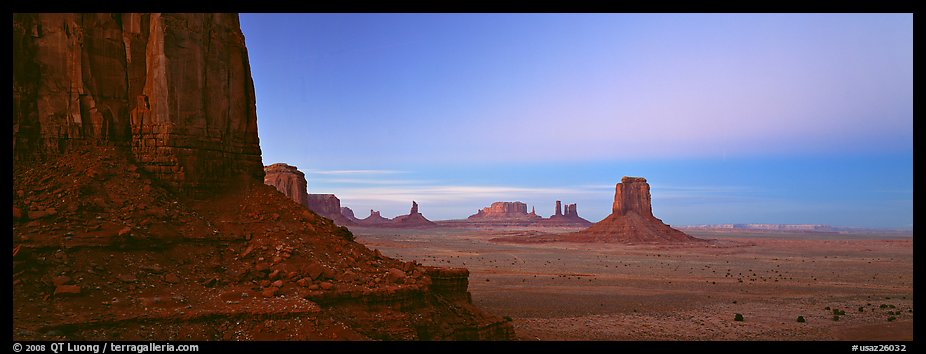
{"x":574,"y":291}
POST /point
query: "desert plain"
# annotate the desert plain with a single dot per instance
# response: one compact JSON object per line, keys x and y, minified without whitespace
{"x":856,"y":286}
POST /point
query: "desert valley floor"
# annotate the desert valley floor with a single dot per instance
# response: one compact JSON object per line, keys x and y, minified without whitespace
{"x":576,"y":291}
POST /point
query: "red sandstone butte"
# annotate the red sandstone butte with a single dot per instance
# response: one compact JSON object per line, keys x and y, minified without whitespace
{"x":631,"y":219}
{"x":288,"y":180}
{"x":570,"y":218}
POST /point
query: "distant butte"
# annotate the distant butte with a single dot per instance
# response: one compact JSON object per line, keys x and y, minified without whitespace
{"x":631,"y":221}
{"x":570,"y":218}
{"x":413,"y":219}
{"x":375,"y":219}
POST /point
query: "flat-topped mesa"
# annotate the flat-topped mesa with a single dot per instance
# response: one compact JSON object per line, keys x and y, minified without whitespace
{"x":503,"y":210}
{"x":174,"y":89}
{"x":632,"y":195}
{"x":288,"y":180}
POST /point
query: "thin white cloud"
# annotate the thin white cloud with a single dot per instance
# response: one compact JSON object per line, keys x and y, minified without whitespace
{"x":354,"y":172}
{"x":373,"y":181}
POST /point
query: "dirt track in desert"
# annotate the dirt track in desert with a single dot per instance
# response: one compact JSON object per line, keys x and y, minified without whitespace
{"x":575,"y":291}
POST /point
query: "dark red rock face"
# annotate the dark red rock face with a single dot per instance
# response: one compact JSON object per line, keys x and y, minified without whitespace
{"x":176,"y":88}
{"x":289,"y":181}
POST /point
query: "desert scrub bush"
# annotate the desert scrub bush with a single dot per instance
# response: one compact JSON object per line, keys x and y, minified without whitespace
{"x":891,"y":319}
{"x":839,"y":312}
{"x":801,"y":319}
{"x":835,"y":318}
{"x":738,"y":317}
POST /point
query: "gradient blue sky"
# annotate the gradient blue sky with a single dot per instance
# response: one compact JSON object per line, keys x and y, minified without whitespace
{"x":733,"y":118}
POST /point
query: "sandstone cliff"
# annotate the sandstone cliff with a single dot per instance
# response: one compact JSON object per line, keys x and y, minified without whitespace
{"x":289,"y":181}
{"x":114,"y":114}
{"x":176,"y":88}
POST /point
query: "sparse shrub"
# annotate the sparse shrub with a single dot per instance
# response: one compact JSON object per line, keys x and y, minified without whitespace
{"x":839,"y":312}
{"x":508,"y":318}
{"x":835,"y":318}
{"x":883,"y":306}
{"x":801,"y":319}
{"x":891,"y":319}
{"x":827,"y":308}
{"x":861,"y":309}
{"x":738,"y":317}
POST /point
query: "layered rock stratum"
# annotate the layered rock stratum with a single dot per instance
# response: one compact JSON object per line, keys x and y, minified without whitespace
{"x":140,"y":211}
